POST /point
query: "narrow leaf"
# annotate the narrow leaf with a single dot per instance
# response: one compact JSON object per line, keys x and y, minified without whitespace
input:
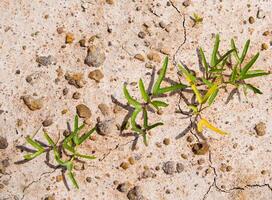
{"x":204,"y":61}
{"x":145,"y":118}
{"x":215,"y":50}
{"x":254,"y":89}
{"x":85,"y":136}
{"x":224,"y":57}
{"x":158,"y":104}
{"x":189,"y":77}
{"x":85,"y":156}
{"x":34,"y":143}
{"x":171,"y":88}
{"x":143,"y":91}
{"x":233,"y":46}
{"x":213,"y":96}
{"x":130,"y":100}
{"x":154,"y":125}
{"x":204,"y":123}
{"x":249,"y":65}
{"x":242,"y":58}
{"x":157,"y":84}
{"x":197,"y":93}
{"x":209,"y":93}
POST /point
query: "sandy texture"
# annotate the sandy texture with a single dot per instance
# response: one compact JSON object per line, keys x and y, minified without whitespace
{"x":28,"y":29}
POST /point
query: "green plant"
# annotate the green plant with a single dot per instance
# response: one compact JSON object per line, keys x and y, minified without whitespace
{"x":69,"y":144}
{"x":217,"y":74}
{"x":149,"y":102}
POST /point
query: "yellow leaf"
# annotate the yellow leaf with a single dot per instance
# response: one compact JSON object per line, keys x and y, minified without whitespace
{"x":197,"y":93}
{"x":209,"y":93}
{"x":204,"y":123}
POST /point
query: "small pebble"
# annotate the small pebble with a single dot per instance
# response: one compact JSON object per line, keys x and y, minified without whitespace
{"x":124,"y":165}
{"x":83,"y":111}
{"x":47,"y":122}
{"x":3,"y":143}
{"x":96,"y":75}
{"x":166,"y":141}
{"x":260,"y":129}
{"x":251,"y":20}
{"x":139,"y":57}
{"x":69,"y":38}
{"x":76,"y":95}
{"x":169,"y":167}
{"x":141,"y":34}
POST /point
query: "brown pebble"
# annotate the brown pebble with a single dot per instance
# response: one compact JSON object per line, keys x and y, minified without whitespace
{"x":47,"y":122}
{"x":251,"y":20}
{"x":111,"y":2}
{"x":82,"y":42}
{"x":65,"y":91}
{"x":190,"y":139}
{"x":200,"y":148}
{"x":59,"y":178}
{"x":131,"y":160}
{"x":96,"y":75}
{"x":124,"y":165}
{"x":139,"y":57}
{"x":104,"y":109}
{"x":69,"y":38}
{"x":166,"y":141}
{"x":60,"y":30}
{"x":76,"y":95}
{"x":141,"y":34}
{"x":3,"y":143}
{"x":83,"y":111}
{"x":260,"y":129}
{"x":165,"y":51}
{"x":264,"y":46}
{"x":184,"y":156}
{"x":154,"y":57}
{"x":266,"y":33}
{"x":32,"y":103}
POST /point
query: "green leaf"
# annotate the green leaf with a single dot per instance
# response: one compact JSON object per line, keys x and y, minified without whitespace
{"x":254,"y":73}
{"x":49,"y":139}
{"x":85,"y":156}
{"x":145,"y":118}
{"x":157,"y":84}
{"x":215,"y":50}
{"x":35,"y":144}
{"x":85,"y":136}
{"x":130,"y":100}
{"x":233,"y":74}
{"x":212,"y":97}
{"x":158,"y":104}
{"x":171,"y":88}
{"x":193,"y":108}
{"x":133,"y":120}
{"x":72,"y":179}
{"x":145,"y":139}
{"x":203,"y":60}
{"x":233,"y":46}
{"x":189,"y":77}
{"x":208,"y":83}
{"x":222,"y":58}
{"x":209,"y":93}
{"x":254,"y":89}
{"x":244,"y":51}
{"x":143,"y":91}
{"x":249,"y":65}
{"x":154,"y":125}
{"x":33,"y":155}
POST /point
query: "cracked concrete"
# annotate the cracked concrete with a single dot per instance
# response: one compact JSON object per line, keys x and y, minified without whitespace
{"x":29,"y":29}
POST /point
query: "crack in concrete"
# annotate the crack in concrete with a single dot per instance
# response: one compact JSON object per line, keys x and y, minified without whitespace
{"x":116,"y":147}
{"x":241,"y":188}
{"x":36,"y":181}
{"x":184,"y":29}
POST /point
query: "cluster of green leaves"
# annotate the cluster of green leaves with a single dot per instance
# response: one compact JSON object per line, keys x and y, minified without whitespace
{"x":68,"y":146}
{"x":149,"y":102}
{"x":217,"y":74}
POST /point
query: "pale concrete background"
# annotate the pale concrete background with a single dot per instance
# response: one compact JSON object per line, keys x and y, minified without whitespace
{"x":250,"y":177}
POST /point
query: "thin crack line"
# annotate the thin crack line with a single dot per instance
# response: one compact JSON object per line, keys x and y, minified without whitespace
{"x":35,"y":181}
{"x":116,"y":147}
{"x":214,"y":184}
